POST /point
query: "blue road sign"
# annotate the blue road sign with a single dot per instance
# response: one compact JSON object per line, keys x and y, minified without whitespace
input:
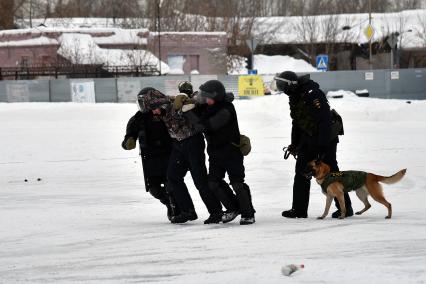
{"x":322,"y":62}
{"x":252,"y":71}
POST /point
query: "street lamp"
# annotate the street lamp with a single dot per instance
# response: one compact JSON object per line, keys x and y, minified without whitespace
{"x":159,"y":2}
{"x":369,"y":41}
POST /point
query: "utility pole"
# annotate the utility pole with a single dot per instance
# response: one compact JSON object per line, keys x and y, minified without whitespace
{"x":31,"y":12}
{"x":159,"y":34}
{"x":369,"y":43}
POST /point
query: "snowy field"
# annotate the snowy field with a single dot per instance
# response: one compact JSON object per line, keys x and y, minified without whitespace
{"x":89,"y":219}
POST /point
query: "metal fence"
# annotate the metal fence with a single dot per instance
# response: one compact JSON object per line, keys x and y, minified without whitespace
{"x":75,"y":71}
{"x":396,"y":84}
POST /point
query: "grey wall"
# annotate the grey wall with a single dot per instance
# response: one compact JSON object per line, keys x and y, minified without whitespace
{"x":410,"y":84}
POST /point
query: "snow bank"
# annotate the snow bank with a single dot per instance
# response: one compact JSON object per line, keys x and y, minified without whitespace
{"x":276,"y":64}
{"x":270,"y":65}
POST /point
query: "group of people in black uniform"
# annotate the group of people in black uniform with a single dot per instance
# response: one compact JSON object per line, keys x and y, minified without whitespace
{"x":172,"y":132}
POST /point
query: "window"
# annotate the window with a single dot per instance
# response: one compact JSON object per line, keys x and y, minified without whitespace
{"x":25,"y":61}
{"x":176,"y":63}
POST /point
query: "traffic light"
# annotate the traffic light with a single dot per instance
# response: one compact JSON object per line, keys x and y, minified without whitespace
{"x":249,"y":62}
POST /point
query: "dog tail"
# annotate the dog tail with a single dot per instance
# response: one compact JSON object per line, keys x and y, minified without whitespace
{"x":393,"y":178}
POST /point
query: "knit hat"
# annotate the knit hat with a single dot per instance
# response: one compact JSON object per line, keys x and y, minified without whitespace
{"x":213,"y":89}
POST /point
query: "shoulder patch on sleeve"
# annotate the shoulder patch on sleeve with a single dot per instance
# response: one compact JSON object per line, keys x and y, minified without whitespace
{"x":316,"y":103}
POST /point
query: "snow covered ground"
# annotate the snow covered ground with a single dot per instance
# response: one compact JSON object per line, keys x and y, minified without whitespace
{"x":89,"y":219}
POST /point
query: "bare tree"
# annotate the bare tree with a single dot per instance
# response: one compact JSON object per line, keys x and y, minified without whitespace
{"x":8,"y":12}
{"x":420,"y":30}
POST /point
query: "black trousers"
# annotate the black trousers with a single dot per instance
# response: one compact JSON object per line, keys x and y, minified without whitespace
{"x":158,"y":188}
{"x":155,"y":175}
{"x":188,"y":155}
{"x":228,"y":159}
{"x":302,"y":185}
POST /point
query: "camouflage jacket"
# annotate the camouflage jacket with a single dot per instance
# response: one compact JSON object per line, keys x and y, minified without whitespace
{"x":178,"y":126}
{"x":351,"y":180}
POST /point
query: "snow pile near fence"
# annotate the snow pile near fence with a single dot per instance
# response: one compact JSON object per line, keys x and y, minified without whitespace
{"x":271,"y":65}
{"x":276,"y":64}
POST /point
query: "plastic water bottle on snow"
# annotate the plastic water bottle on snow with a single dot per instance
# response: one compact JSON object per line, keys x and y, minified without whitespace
{"x":287,"y":270}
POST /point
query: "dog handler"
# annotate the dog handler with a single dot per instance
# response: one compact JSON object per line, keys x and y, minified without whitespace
{"x":313,"y":136}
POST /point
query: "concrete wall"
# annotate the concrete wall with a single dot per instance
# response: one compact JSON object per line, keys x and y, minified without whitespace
{"x":203,"y":52}
{"x":401,"y":84}
{"x":391,"y":84}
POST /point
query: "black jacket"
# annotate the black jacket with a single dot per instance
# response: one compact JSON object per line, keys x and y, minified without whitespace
{"x":310,"y":112}
{"x":154,"y":139}
{"x":219,"y":123}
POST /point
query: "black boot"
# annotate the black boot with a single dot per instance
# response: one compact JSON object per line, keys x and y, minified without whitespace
{"x":169,"y":212}
{"x":215,"y":218}
{"x":184,"y":217}
{"x":349,"y":213}
{"x":228,"y":216}
{"x":172,"y":208}
{"x":247,"y":220}
{"x":292,"y":213}
{"x":348,"y":205}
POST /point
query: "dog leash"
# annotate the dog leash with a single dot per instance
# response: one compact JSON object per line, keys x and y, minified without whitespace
{"x":287,"y":153}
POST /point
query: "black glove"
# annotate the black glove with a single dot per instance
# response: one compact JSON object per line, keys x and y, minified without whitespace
{"x":321,"y":152}
{"x":129,"y":143}
{"x":292,"y":149}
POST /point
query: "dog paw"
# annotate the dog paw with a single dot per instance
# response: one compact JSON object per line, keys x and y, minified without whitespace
{"x":320,"y":218}
{"x":358,"y":213}
{"x":341,"y":217}
{"x":387,"y":217}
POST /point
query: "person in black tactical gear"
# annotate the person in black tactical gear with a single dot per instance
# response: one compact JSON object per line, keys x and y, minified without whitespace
{"x":155,"y":147}
{"x":219,"y":123}
{"x":188,"y":96}
{"x":313,"y":136}
{"x":187,"y":155}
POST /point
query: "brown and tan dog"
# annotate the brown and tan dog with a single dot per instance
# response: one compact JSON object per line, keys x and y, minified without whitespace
{"x":335,"y":184}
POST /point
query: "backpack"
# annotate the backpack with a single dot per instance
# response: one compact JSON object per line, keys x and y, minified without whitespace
{"x":244,"y":146}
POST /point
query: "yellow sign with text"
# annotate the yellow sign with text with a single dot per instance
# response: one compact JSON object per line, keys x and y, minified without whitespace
{"x":250,"y":85}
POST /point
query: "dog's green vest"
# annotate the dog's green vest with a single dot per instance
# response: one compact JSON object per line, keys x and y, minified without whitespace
{"x":351,"y":180}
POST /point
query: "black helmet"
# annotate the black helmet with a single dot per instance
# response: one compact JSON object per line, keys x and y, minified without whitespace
{"x":186,"y":88}
{"x":213,"y":89}
{"x":286,"y":82}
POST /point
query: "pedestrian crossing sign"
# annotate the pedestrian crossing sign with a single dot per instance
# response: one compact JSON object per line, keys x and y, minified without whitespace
{"x":322,"y":62}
